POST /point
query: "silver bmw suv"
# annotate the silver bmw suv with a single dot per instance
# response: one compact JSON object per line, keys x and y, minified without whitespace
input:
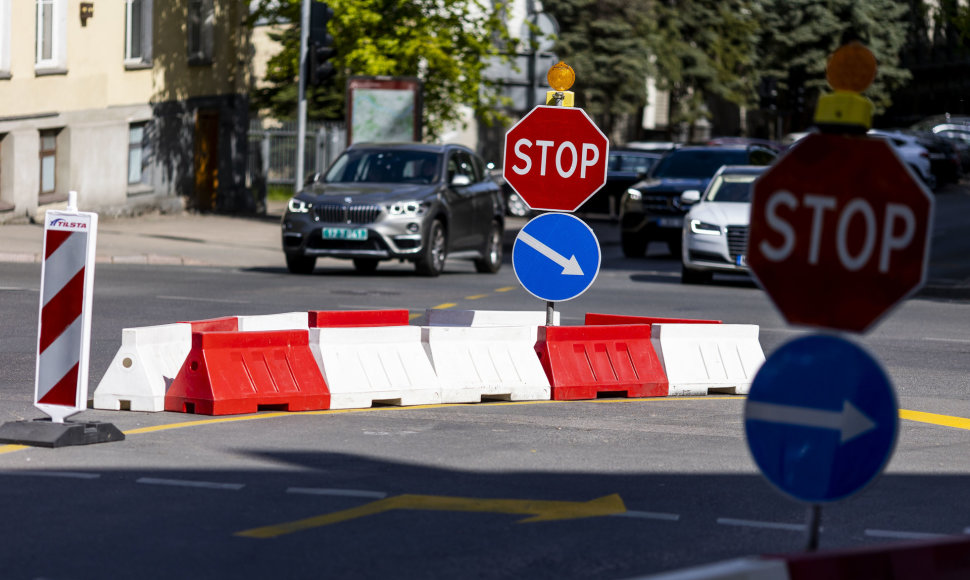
{"x":404,"y":201}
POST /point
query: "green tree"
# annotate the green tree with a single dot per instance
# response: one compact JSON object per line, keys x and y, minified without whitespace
{"x":445,"y":43}
{"x":799,"y":36}
{"x":706,"y":49}
{"x":606,"y":43}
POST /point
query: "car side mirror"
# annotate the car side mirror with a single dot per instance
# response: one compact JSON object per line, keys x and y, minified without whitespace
{"x":690,"y":197}
{"x":312,"y":178}
{"x":461,"y":180}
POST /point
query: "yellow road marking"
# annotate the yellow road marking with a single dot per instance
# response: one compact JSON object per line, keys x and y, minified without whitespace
{"x":934,"y":419}
{"x":505,"y":289}
{"x":444,"y":306}
{"x":11,"y":448}
{"x":475,"y":296}
{"x":539,"y":510}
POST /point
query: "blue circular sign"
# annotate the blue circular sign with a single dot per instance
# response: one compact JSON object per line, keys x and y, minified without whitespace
{"x":821,"y":418}
{"x":556,"y":257}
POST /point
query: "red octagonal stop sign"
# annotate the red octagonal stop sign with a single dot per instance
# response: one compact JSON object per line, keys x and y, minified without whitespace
{"x":555,"y":158}
{"x":839,"y":232}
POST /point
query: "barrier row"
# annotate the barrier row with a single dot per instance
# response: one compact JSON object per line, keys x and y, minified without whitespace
{"x":355,"y":359}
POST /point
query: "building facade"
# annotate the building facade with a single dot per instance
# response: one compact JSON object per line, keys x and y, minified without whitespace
{"x":134,"y":104}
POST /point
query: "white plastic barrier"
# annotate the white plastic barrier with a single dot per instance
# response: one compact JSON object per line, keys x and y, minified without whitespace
{"x":473,"y":363}
{"x":144,"y":367}
{"x":528,"y":318}
{"x":708,"y":358}
{"x":265,"y":322}
{"x":739,"y":569}
{"x":386,"y":365}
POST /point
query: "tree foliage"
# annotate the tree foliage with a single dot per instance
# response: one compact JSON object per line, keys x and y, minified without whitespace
{"x":445,"y":43}
{"x":799,"y":35}
{"x":606,"y":43}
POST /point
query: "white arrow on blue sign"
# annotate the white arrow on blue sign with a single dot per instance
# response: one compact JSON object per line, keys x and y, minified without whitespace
{"x":821,"y":419}
{"x":556,"y":257}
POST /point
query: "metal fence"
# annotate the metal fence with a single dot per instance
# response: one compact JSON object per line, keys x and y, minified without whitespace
{"x":272,"y":150}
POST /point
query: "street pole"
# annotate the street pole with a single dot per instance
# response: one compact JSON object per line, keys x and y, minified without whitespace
{"x":301,"y":98}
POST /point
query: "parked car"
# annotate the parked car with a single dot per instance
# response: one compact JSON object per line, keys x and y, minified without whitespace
{"x":715,"y":232}
{"x":407,"y":201}
{"x":624,"y":168}
{"x":652,"y":209}
{"x":911,"y":152}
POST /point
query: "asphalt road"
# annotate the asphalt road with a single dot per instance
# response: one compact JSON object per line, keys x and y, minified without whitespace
{"x":614,"y":488}
{"x":442,"y":492}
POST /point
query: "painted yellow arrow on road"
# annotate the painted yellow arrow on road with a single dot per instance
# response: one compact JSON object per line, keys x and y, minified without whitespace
{"x":540,"y":510}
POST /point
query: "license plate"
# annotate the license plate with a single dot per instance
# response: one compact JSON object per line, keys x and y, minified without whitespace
{"x":670,"y":222}
{"x":741,"y":260}
{"x":358,"y":234}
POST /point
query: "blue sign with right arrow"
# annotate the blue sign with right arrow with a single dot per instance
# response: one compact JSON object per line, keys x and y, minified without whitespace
{"x":556,"y":257}
{"x":821,"y":419}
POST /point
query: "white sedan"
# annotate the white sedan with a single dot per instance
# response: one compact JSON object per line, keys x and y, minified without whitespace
{"x":715,"y":235}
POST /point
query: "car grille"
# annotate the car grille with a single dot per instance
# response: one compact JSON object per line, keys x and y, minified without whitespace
{"x":662,"y":204}
{"x":737,"y":237}
{"x":339,"y":213}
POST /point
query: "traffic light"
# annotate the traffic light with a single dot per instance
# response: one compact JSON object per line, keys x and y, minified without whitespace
{"x":320,"y":45}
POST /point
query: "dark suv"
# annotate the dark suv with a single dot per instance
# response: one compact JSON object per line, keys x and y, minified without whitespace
{"x":407,"y":201}
{"x":652,"y":209}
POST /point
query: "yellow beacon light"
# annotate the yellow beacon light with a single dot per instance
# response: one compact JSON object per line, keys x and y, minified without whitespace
{"x":561,"y":78}
{"x":850,"y":70}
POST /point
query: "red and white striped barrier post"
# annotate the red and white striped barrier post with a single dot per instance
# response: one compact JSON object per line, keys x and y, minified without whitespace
{"x":64,"y":334}
{"x":64,"y":328}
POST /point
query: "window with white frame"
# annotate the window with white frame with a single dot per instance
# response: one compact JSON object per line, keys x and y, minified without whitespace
{"x":138,"y":32}
{"x":48,"y":161}
{"x":51,"y":35}
{"x":200,"y":31}
{"x":138,"y":154}
{"x":5,"y":39}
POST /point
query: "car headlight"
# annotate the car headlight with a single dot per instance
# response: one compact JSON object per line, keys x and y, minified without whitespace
{"x":704,"y":228}
{"x":407,"y":208}
{"x":298,"y":205}
{"x":634,"y":194}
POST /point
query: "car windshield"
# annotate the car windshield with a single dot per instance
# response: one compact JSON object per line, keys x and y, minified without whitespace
{"x":697,"y":164}
{"x":731,"y":188}
{"x":385,"y":166}
{"x":631,"y":163}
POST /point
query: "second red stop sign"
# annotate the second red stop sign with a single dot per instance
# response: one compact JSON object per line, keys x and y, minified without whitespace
{"x":555,"y":158}
{"x":839,"y":232}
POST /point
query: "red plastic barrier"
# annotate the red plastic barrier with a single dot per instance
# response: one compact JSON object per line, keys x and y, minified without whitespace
{"x":229,"y":373}
{"x":582,"y":361}
{"x":597,"y":319}
{"x":357,"y":318}
{"x":929,"y":560}
{"x":226,"y":323}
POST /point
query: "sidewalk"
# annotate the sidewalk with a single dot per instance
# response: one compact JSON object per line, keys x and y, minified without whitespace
{"x":184,"y":238}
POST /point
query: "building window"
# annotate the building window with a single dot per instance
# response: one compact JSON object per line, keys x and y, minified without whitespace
{"x":4,"y":39}
{"x":200,"y":30}
{"x":138,"y":33}
{"x":48,"y":160}
{"x":51,"y":35}
{"x":136,"y":153}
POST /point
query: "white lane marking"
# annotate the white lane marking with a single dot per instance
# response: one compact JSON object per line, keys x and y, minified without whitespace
{"x":197,"y":299}
{"x":850,"y":422}
{"x":764,"y":525}
{"x":188,"y":483}
{"x":337,"y":492}
{"x":65,"y":474}
{"x":956,"y":340}
{"x":648,"y":515}
{"x":902,"y":535}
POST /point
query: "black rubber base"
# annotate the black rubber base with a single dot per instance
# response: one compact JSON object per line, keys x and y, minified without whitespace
{"x":46,"y":433}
